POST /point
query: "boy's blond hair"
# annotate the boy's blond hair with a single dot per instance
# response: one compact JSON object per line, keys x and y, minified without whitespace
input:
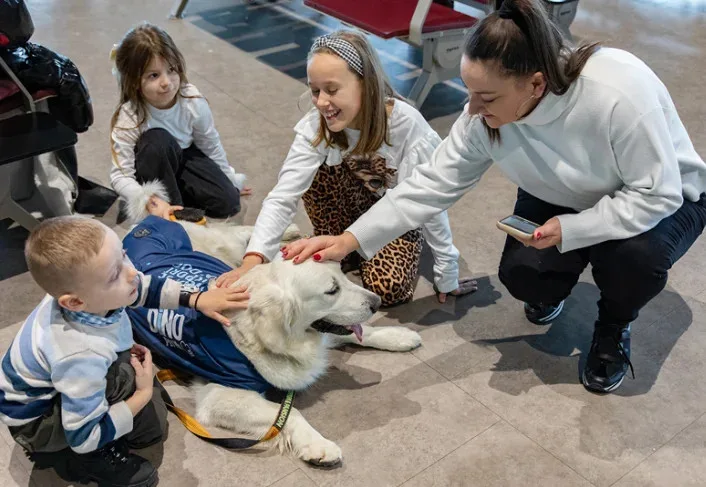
{"x":59,"y":248}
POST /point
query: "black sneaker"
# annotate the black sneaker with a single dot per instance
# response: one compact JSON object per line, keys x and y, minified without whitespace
{"x":44,"y":460}
{"x":542,"y":314}
{"x":112,"y":466}
{"x":608,"y":360}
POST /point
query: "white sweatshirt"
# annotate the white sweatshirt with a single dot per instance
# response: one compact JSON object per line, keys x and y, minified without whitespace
{"x":189,"y":121}
{"x":613,"y":148}
{"x":412,"y":142}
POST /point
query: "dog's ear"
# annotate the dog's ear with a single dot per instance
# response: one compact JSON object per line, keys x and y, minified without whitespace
{"x":273,"y":314}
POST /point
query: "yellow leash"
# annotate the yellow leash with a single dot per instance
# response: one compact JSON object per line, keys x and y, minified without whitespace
{"x":231,"y":443}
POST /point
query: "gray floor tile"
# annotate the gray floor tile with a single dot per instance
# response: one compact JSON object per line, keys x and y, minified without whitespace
{"x":502,"y":457}
{"x":679,"y":462}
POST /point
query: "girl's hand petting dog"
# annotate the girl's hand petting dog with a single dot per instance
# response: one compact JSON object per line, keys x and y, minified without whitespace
{"x":227,"y":279}
{"x":159,"y":207}
{"x":213,"y":302}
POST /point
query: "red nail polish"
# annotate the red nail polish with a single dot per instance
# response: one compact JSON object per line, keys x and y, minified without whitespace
{"x":296,"y":260}
{"x":317,"y":257}
{"x":539,"y":235}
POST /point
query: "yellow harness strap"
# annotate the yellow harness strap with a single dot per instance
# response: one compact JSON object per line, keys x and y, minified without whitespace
{"x":231,"y":443}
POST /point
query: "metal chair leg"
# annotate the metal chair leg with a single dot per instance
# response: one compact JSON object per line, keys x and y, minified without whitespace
{"x":427,"y":79}
{"x":422,"y":87}
{"x":13,"y":211}
{"x":178,"y":9}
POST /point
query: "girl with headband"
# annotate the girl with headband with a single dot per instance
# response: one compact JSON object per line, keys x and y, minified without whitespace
{"x":360,"y":140}
{"x":604,"y":165}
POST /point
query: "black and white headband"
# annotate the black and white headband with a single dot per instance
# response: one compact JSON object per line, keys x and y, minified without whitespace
{"x":341,"y":47}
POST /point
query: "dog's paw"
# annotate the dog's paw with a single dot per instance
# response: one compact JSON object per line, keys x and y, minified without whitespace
{"x":322,"y":453}
{"x":394,"y":339}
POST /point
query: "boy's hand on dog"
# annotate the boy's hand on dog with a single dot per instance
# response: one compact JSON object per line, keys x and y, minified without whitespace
{"x":466,"y":285}
{"x":211,"y":303}
{"x":158,"y":207}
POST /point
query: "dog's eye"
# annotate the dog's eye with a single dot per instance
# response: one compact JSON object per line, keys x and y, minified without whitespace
{"x":333,"y":290}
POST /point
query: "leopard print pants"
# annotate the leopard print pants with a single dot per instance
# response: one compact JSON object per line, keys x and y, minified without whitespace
{"x":337,"y":198}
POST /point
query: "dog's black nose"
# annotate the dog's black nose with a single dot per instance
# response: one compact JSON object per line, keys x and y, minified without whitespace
{"x":375,"y":305}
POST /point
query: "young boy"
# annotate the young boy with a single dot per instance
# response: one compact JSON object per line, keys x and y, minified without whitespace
{"x":75,"y":391}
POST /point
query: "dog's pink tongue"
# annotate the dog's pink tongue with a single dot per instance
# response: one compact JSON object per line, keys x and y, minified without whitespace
{"x":358,"y":331}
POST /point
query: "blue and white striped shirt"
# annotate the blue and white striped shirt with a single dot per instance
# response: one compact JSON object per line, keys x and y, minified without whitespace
{"x":69,"y":354}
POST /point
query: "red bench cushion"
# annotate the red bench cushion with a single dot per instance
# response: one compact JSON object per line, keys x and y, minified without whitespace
{"x":7,"y":89}
{"x":390,"y":18}
{"x":11,"y":99}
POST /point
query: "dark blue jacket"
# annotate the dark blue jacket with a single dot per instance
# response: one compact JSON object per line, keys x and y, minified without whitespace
{"x":184,"y":338}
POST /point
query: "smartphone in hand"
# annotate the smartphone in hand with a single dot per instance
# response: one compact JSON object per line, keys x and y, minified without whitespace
{"x":517,"y":227}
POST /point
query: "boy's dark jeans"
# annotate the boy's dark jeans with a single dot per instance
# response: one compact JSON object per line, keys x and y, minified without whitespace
{"x":46,"y":434}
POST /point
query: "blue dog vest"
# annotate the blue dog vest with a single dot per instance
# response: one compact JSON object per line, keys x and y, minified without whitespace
{"x":184,"y":338}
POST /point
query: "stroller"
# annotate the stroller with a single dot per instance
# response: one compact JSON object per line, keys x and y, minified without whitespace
{"x":56,"y":86}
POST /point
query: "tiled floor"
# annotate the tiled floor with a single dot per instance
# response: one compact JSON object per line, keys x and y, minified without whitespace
{"x":489,"y":399}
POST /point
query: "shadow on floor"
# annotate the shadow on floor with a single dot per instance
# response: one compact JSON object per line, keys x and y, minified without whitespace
{"x":557,"y":352}
{"x":428,"y":311}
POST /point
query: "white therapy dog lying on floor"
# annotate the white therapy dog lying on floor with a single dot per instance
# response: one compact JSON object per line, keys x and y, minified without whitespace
{"x":279,"y":336}
{"x":278,"y":339}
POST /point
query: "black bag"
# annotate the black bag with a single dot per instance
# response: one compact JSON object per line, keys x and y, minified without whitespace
{"x":40,"y":68}
{"x":16,"y":26}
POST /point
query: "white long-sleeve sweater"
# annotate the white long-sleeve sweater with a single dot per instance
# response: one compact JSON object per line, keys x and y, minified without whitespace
{"x":412,"y":142}
{"x":189,"y":121}
{"x":612,"y":148}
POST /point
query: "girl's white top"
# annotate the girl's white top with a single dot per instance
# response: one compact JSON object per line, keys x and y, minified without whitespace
{"x":190,"y":121}
{"x":412,"y":143}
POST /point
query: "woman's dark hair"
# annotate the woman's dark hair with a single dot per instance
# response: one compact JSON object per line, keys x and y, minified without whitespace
{"x":521,"y":39}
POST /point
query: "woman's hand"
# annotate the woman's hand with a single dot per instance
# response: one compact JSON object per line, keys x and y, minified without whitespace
{"x":158,"y":207}
{"x":225,"y":280}
{"x":325,"y":247}
{"x":548,"y":235}
{"x":466,"y":285}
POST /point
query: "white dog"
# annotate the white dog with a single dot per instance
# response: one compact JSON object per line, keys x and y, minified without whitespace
{"x":277,"y":336}
{"x":295,"y":314}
